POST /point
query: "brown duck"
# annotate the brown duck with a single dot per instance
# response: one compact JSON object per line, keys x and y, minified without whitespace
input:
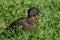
{"x":30,"y":22}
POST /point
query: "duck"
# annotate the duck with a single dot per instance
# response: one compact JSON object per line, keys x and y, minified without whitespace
{"x":29,"y":23}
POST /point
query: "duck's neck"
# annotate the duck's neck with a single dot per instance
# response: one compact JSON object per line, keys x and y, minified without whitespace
{"x":32,"y":20}
{"x":30,"y":16}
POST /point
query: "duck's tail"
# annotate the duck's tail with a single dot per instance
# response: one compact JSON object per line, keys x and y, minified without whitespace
{"x":11,"y":27}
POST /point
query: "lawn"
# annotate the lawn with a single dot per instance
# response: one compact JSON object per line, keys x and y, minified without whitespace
{"x":49,"y":25}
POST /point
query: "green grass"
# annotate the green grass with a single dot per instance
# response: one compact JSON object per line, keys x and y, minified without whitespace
{"x":48,"y":28}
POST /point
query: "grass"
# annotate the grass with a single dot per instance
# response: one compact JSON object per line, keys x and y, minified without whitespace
{"x":48,"y":28}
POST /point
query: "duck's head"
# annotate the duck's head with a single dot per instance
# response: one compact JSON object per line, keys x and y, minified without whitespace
{"x":34,"y":11}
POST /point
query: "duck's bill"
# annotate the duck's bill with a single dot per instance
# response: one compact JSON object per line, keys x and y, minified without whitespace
{"x":40,"y":14}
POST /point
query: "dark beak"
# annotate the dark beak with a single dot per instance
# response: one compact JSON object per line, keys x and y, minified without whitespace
{"x":40,"y":14}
